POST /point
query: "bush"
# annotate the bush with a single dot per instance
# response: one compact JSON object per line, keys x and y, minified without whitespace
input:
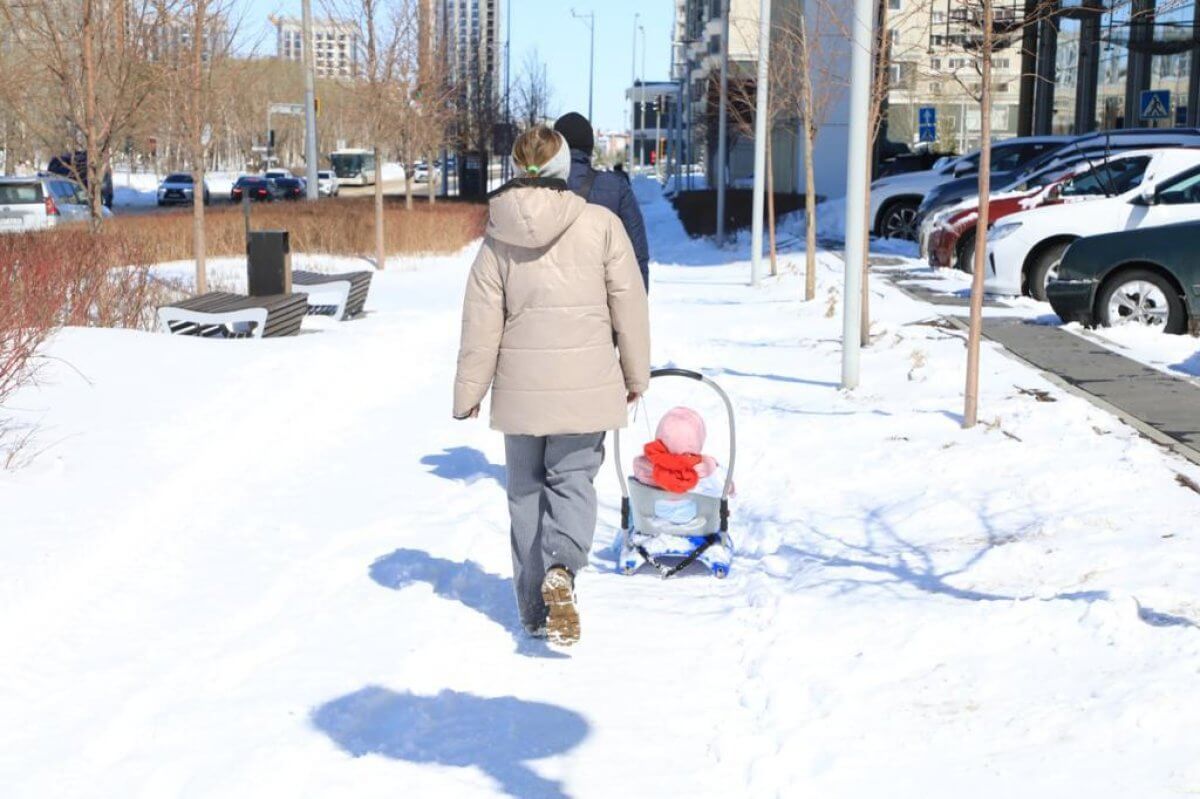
{"x":68,"y":277}
{"x":344,"y":227}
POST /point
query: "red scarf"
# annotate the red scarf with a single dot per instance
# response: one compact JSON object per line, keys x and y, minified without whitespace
{"x":674,"y":473}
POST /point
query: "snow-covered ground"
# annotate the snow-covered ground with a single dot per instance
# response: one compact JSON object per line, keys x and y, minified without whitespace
{"x":278,"y":568}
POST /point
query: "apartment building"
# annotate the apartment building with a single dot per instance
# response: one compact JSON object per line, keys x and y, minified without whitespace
{"x":696,"y":66}
{"x":336,"y":44}
{"x":934,"y":63}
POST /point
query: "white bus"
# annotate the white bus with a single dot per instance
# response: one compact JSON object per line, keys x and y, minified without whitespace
{"x":353,"y":167}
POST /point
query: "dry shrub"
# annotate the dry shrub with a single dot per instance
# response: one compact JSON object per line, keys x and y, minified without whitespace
{"x":344,"y":227}
{"x":67,"y":277}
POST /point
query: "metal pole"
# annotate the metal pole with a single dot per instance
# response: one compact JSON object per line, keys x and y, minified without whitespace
{"x":632,"y":83}
{"x":857,"y":166}
{"x":591,"y":19}
{"x":310,"y":102}
{"x":761,"y":132}
{"x":642,"y":123}
{"x":505,"y":163}
{"x":722,"y":122}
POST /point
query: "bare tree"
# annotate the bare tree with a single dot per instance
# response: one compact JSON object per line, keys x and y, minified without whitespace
{"x":383,"y":26}
{"x":94,"y":56}
{"x":532,"y":93}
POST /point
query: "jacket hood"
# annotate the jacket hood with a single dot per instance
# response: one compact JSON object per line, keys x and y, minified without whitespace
{"x":532,"y":213}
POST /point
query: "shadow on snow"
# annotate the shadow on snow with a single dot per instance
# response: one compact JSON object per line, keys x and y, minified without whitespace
{"x":465,"y":464}
{"x":497,"y":735}
{"x":487,"y":594}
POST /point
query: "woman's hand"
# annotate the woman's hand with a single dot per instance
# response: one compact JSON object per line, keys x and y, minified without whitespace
{"x":633,"y":396}
{"x":471,"y":414}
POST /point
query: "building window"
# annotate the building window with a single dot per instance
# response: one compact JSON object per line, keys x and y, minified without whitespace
{"x":939,"y":17}
{"x":893,"y":5}
{"x":935,"y":64}
{"x":1000,"y":63}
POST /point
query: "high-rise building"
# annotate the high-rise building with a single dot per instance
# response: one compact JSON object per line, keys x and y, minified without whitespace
{"x":336,"y":45}
{"x":466,"y":34}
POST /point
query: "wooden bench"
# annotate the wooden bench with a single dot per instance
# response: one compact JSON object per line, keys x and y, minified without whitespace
{"x":341,"y":296}
{"x":219,"y":314}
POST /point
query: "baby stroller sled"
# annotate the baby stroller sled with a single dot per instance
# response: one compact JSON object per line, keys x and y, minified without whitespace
{"x":646,"y":538}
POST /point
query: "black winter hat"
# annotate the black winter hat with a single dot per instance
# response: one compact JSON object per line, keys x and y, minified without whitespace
{"x":576,"y":129}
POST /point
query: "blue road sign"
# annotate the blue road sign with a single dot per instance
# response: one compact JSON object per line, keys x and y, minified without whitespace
{"x":1155,"y":104}
{"x":927,"y":133}
{"x":927,"y":115}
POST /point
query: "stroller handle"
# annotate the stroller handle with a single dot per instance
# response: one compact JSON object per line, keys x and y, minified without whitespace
{"x":690,"y":375}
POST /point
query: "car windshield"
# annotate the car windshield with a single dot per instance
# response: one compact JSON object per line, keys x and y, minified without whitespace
{"x":324,"y":175}
{"x":179,"y":177}
{"x":287,"y":183}
{"x":20,"y":193}
{"x":1115,"y":177}
{"x":243,"y":182}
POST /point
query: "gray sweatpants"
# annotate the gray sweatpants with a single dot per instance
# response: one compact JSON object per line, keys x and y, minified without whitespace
{"x":552,"y":505}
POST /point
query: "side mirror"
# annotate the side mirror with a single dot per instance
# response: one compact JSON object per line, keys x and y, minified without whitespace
{"x":1054,"y":193}
{"x":963,"y":170}
{"x":1147,"y":196}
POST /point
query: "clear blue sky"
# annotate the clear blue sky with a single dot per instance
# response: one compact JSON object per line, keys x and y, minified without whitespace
{"x":561,"y":42}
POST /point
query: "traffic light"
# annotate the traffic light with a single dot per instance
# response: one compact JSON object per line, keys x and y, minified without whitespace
{"x":271,"y":138}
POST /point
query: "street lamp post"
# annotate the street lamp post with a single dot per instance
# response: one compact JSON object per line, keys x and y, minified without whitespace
{"x":723,"y":122}
{"x":310,"y":103}
{"x":642,"y":95}
{"x":632,"y":82}
{"x":591,"y":23}
{"x":761,"y":132}
{"x":857,"y":167}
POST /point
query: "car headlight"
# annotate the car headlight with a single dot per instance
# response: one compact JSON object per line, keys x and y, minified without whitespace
{"x":1002,"y":231}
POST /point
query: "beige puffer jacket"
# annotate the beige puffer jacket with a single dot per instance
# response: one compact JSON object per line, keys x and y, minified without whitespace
{"x":556,"y":278}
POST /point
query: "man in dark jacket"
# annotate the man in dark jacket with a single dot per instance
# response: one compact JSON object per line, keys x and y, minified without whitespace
{"x":603,"y":188}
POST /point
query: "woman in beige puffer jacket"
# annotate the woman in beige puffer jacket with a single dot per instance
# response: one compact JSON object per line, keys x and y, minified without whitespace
{"x":555,"y":285}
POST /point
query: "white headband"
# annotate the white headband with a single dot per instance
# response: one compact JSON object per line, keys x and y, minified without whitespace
{"x":557,"y":167}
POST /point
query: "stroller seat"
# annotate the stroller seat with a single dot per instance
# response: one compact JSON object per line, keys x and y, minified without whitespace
{"x":647,"y":538}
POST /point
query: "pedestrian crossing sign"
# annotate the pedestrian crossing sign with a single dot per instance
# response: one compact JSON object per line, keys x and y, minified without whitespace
{"x":1155,"y":104}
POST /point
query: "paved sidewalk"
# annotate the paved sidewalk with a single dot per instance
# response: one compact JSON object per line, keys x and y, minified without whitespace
{"x":1162,"y":407}
{"x":1169,"y":405}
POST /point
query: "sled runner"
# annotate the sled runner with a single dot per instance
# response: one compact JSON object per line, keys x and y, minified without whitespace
{"x":670,"y":547}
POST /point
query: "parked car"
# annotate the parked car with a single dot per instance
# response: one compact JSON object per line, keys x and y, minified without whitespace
{"x":327,"y":183}
{"x":1145,"y":276}
{"x":895,"y":199}
{"x":420,"y":172}
{"x":258,"y":188}
{"x":949,"y":235}
{"x":178,"y":188}
{"x":41,"y":202}
{"x":290,"y":188}
{"x":1025,"y":249}
{"x":1090,"y":147}
{"x":75,"y":167}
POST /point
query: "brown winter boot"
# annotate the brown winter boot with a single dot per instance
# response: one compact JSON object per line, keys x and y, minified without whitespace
{"x":562,"y":619}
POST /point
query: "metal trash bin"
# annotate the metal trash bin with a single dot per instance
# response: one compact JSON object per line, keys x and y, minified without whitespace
{"x":268,"y":263}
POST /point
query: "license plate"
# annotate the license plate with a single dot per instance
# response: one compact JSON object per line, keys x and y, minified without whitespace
{"x":9,"y":223}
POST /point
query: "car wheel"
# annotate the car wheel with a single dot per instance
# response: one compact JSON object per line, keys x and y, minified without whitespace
{"x":965,"y":257}
{"x":899,"y":221}
{"x":1045,"y":269}
{"x":1139,"y":296}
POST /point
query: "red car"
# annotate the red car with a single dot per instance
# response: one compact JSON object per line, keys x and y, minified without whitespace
{"x":951,"y":238}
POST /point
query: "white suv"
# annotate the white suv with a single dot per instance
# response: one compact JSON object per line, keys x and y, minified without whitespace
{"x":40,"y":202}
{"x":327,"y":183}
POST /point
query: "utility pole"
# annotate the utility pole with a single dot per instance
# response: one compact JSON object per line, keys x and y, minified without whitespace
{"x":310,"y":102}
{"x":761,"y":132}
{"x":642,"y":98}
{"x":722,"y":120}
{"x":505,"y":163}
{"x":632,"y":85}
{"x":591,"y":23}
{"x":857,"y":167}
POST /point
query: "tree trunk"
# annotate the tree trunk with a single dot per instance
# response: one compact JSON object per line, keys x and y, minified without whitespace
{"x":770,"y":208}
{"x":91,"y":133}
{"x":810,"y":214}
{"x":379,"y":255}
{"x":408,"y":187}
{"x":971,"y":394}
{"x":197,"y":135}
{"x":432,"y":179}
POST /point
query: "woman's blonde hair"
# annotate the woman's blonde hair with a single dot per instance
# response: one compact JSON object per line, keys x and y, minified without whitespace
{"x":534,"y":148}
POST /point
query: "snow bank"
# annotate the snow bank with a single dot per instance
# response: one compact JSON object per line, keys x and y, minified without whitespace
{"x":279,"y":568}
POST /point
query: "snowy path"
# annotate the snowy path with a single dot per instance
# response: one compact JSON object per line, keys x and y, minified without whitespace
{"x":279,"y":569}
